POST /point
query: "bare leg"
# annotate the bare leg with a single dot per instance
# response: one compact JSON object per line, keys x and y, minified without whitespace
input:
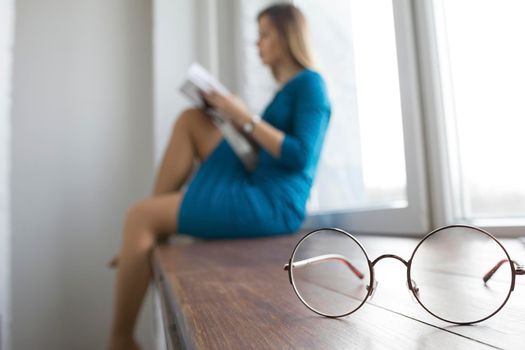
{"x":144,"y":221}
{"x":193,"y":136}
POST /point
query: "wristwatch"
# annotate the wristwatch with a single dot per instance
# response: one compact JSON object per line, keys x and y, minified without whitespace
{"x":249,"y":126}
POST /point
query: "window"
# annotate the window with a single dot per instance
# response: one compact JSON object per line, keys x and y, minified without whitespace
{"x":482,"y":77}
{"x":426,"y":108}
{"x":369,"y":177}
{"x":363,"y":163}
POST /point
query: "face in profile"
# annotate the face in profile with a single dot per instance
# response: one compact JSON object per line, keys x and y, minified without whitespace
{"x":269,"y":44}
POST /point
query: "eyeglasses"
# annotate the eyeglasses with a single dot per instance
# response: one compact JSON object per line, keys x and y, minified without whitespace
{"x":460,"y":274}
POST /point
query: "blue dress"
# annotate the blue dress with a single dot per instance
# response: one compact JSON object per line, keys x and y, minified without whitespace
{"x":223,"y":200}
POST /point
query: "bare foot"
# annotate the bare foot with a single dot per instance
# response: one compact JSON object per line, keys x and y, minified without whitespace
{"x":119,"y":343}
{"x":113,"y":263}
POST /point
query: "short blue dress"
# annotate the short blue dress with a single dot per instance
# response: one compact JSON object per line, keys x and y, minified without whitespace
{"x":224,"y":200}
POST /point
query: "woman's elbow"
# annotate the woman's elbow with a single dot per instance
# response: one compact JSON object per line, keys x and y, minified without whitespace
{"x":298,"y":162}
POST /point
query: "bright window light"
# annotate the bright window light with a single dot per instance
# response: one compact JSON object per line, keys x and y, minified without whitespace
{"x":482,"y":63}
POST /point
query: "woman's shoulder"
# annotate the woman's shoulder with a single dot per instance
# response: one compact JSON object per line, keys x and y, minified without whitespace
{"x":308,"y":79}
{"x":308,"y":75}
{"x":309,"y":84}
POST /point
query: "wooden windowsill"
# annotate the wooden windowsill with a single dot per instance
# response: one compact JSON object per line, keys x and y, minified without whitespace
{"x":234,"y":294}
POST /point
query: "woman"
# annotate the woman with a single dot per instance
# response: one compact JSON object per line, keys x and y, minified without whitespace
{"x":223,"y":199}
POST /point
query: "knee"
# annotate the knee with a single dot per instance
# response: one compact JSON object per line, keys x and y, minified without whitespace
{"x":191,"y":117}
{"x":188,"y":117}
{"x":137,"y":233}
{"x":137,"y":215}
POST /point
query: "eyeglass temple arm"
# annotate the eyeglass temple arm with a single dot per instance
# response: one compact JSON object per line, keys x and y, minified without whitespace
{"x":520,"y":270}
{"x":325,"y":257}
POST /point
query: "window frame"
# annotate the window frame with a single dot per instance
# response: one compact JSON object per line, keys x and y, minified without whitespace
{"x":414,"y":219}
{"x":430,"y":183}
{"x":444,"y":187}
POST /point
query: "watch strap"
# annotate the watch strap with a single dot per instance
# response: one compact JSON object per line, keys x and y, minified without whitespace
{"x":249,"y":126}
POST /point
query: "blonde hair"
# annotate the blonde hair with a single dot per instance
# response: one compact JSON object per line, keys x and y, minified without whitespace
{"x":291,"y":26}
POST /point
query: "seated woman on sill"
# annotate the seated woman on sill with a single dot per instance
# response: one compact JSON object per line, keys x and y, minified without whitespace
{"x":223,"y":199}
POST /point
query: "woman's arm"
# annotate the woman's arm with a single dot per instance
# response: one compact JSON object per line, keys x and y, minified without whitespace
{"x":266,"y":135}
{"x":311,"y":114}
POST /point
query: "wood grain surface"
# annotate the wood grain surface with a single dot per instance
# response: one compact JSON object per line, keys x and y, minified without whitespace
{"x":234,"y":294}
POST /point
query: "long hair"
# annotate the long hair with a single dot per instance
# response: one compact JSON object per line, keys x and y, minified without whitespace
{"x":291,"y":26}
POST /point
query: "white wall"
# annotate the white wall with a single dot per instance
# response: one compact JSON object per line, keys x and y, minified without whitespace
{"x":82,"y":152}
{"x":6,"y":36}
{"x":174,"y":51}
{"x":184,"y":33}
{"x":228,"y":35}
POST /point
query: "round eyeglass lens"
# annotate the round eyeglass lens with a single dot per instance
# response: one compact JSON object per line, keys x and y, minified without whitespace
{"x":448,"y":270}
{"x":330,"y":272}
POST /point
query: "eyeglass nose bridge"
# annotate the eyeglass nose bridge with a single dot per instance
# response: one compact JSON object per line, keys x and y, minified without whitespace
{"x":411,"y":285}
{"x":391,"y":256}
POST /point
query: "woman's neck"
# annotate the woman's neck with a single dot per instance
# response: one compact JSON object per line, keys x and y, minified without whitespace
{"x":286,"y":71}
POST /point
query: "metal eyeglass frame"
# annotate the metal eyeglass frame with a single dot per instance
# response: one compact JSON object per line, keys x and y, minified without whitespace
{"x":516,"y":269}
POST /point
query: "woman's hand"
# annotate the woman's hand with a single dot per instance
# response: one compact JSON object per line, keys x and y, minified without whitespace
{"x":267,"y":136}
{"x":229,"y":106}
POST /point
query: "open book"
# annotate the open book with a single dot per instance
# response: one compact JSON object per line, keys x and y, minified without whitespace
{"x":199,"y":80}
